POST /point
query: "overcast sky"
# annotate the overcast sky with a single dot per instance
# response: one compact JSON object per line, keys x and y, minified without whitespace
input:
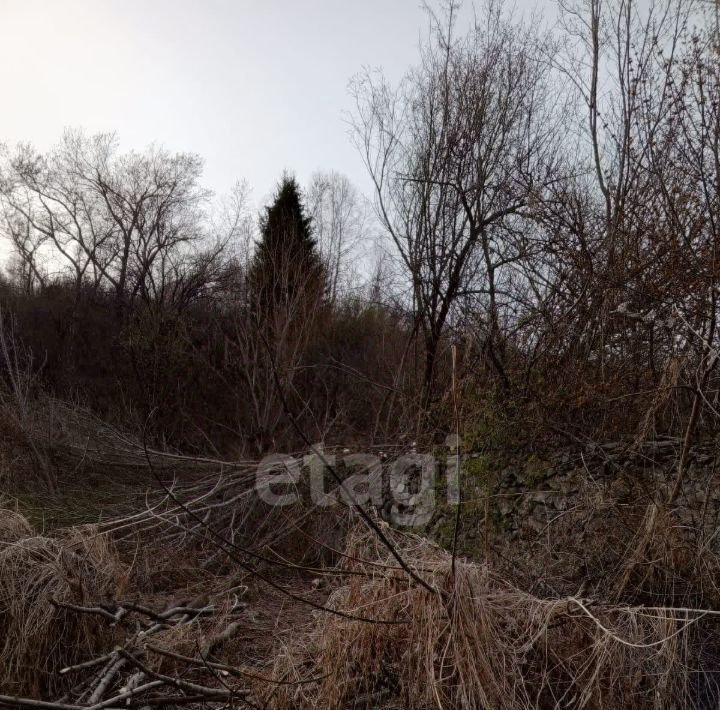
{"x":253,"y":86}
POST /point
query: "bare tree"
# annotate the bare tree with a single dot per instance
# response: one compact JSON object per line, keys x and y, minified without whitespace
{"x":456,"y":153}
{"x":16,"y":394}
{"x":340,"y":219}
{"x":110,"y":218}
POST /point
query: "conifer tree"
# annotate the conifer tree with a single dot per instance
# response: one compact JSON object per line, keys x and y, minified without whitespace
{"x":287,"y":272}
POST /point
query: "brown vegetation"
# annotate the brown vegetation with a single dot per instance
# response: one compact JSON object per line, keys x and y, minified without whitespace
{"x":205,"y":594}
{"x":549,"y":202}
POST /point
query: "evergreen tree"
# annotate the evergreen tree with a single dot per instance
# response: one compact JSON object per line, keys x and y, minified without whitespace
{"x":287,"y":272}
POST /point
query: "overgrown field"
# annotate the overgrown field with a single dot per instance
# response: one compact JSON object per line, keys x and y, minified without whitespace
{"x":182,"y":588}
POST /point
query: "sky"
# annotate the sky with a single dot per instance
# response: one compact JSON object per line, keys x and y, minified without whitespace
{"x":255,"y":87}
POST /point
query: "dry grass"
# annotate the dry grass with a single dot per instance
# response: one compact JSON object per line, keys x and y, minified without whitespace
{"x":477,"y":642}
{"x":13,"y":526}
{"x":480,"y":643}
{"x":514,"y":633}
{"x":37,"y":638}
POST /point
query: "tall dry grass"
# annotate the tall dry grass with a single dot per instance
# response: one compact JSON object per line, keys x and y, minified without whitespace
{"x":37,"y":636}
{"x":481,"y":643}
{"x":642,"y":634}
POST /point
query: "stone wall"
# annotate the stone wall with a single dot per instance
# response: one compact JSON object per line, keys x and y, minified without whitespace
{"x":519,"y":496}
